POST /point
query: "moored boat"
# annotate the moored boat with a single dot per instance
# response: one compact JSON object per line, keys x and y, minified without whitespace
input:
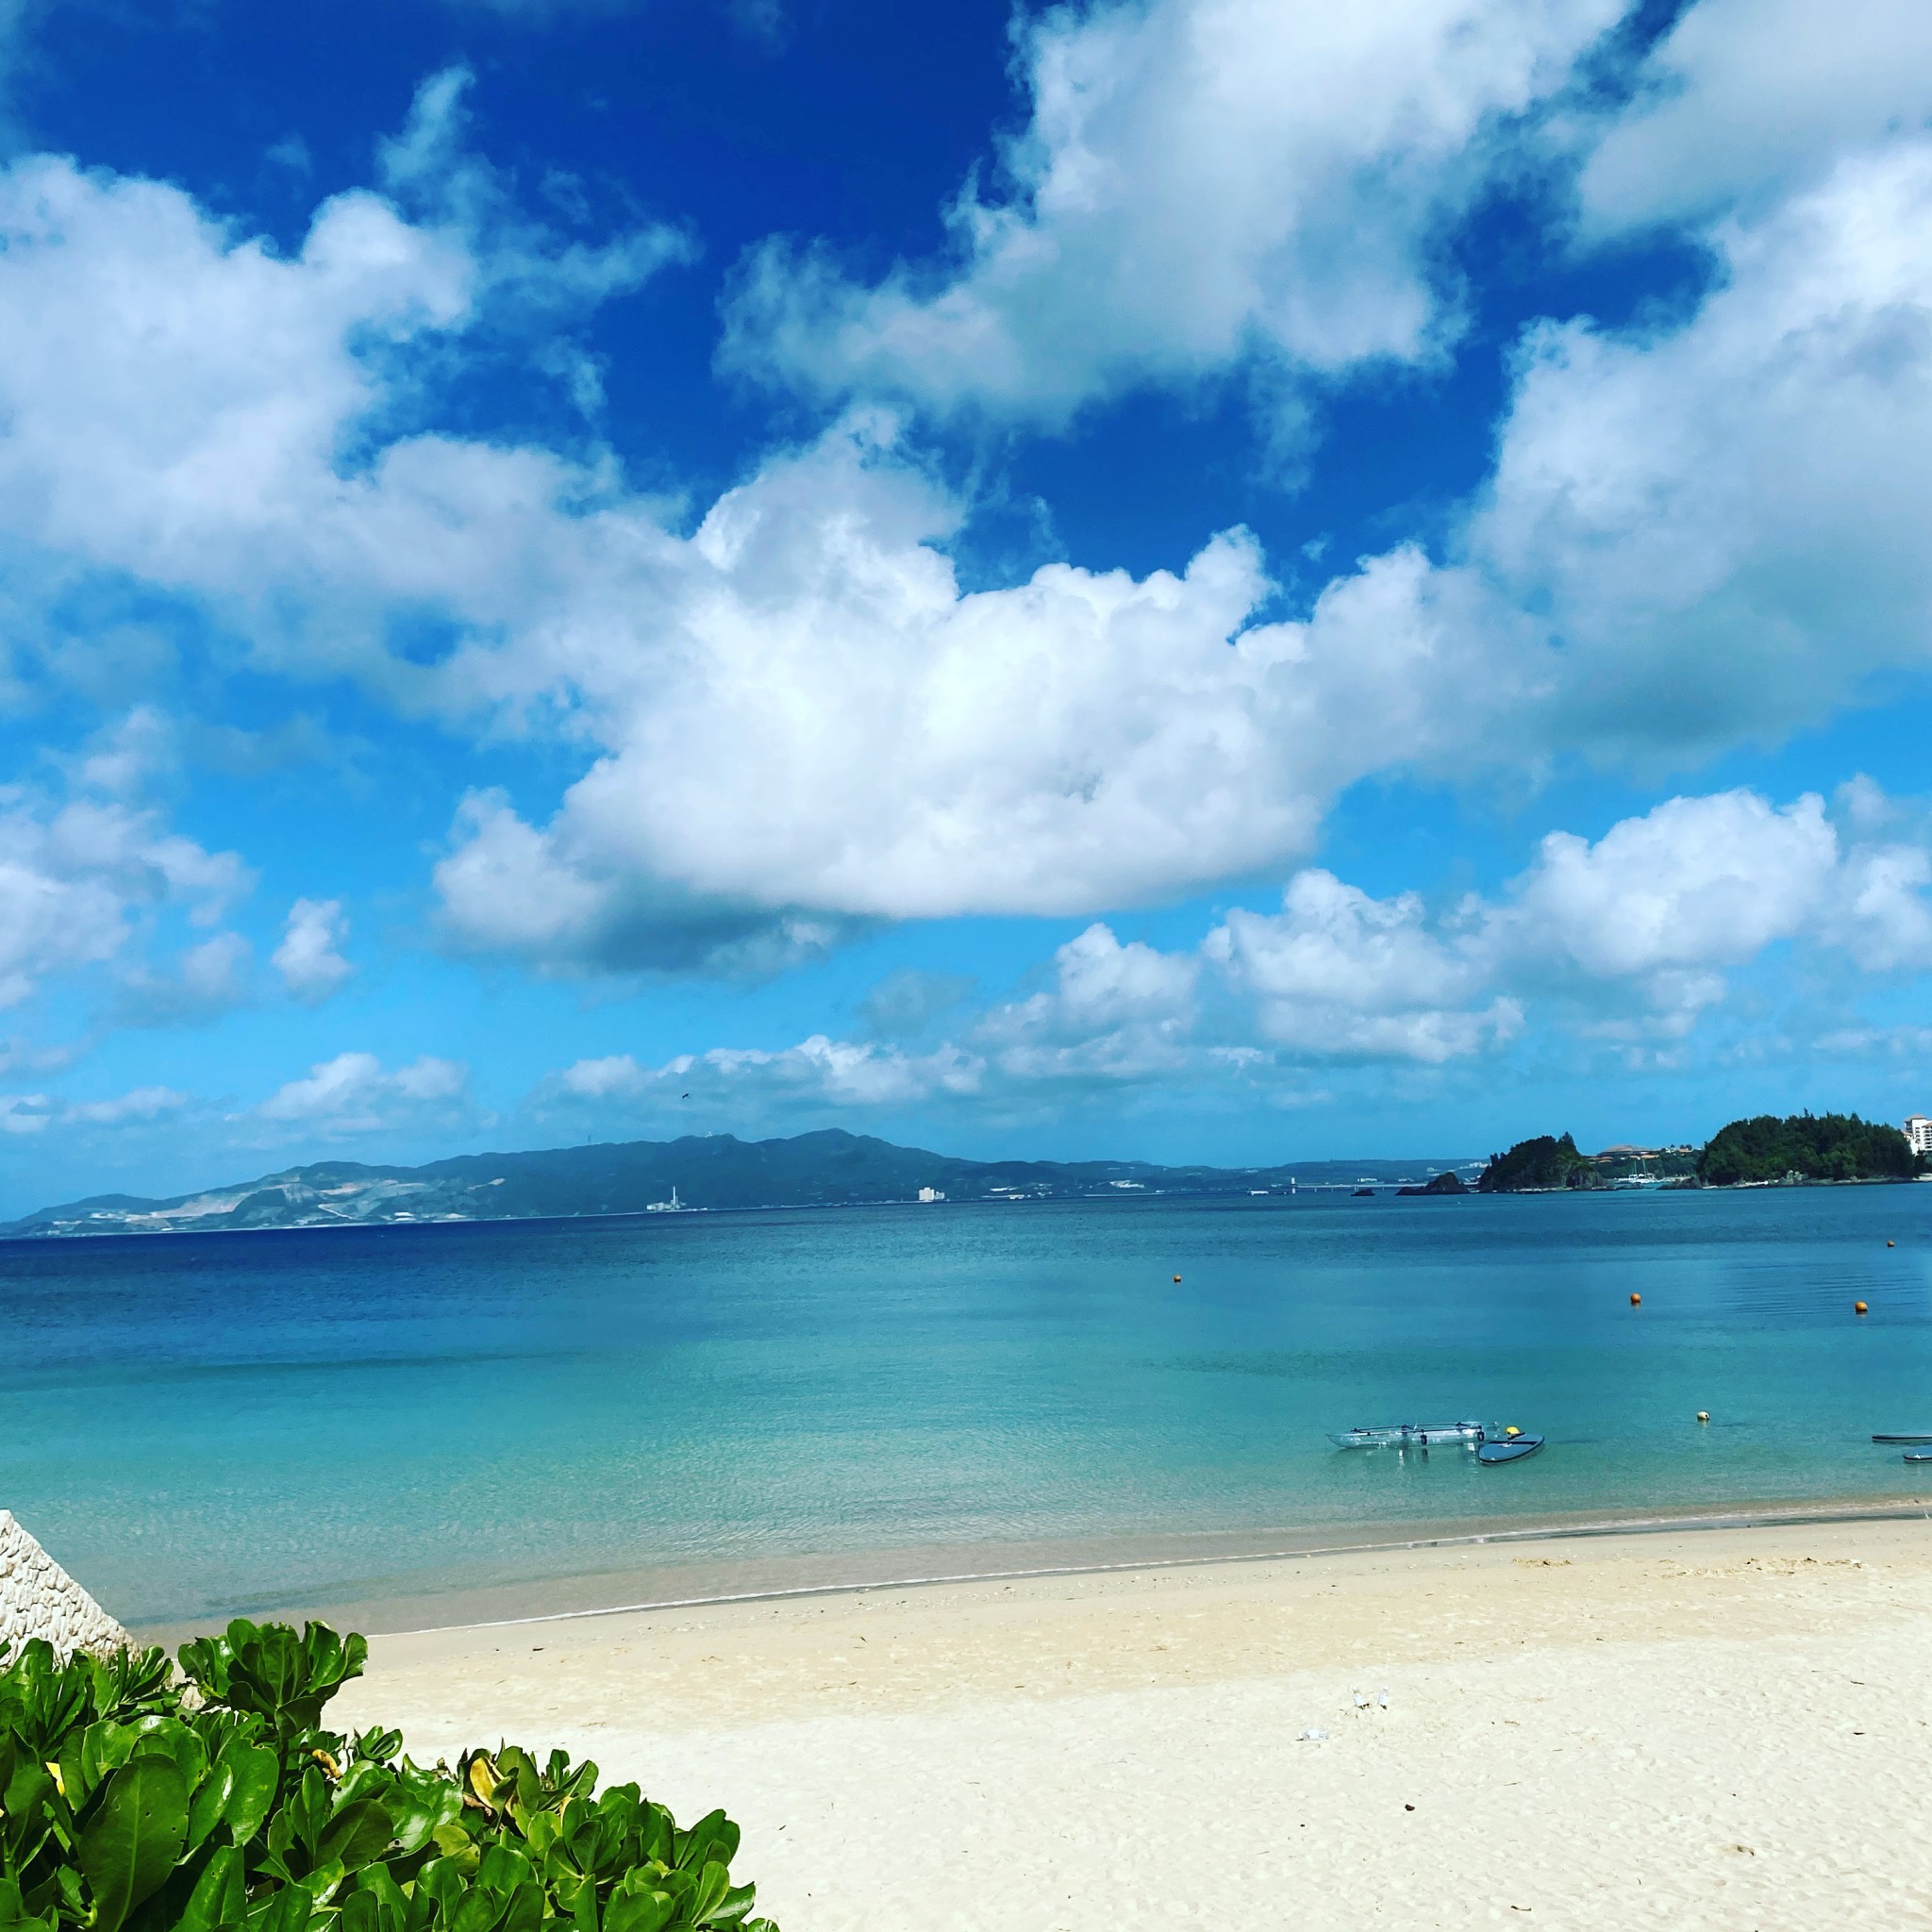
{"x":1507,"y":1449}
{"x":1904,"y":1438}
{"x":1410,"y":1436}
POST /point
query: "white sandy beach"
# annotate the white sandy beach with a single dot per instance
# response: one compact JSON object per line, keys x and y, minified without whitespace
{"x":1727,"y":1728}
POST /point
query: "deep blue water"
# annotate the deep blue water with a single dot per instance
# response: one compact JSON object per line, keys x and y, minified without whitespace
{"x":199,"y":1424}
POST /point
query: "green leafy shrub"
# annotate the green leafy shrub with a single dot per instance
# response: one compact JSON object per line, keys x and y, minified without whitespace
{"x":135,"y":1800}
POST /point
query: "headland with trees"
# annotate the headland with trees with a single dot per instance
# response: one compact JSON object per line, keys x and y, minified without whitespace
{"x":1759,"y":1152}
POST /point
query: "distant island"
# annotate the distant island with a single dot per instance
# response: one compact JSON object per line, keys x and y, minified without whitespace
{"x":1748,"y":1153}
{"x":836,"y":1169}
{"x":827,"y":1169}
{"x":1447,"y":1183}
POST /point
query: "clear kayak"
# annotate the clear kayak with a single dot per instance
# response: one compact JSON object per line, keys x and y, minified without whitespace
{"x":1412,"y":1436}
{"x":1903,"y":1438}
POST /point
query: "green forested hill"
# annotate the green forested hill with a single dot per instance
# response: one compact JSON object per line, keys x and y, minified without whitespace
{"x":1546,"y":1161}
{"x":1819,"y":1147}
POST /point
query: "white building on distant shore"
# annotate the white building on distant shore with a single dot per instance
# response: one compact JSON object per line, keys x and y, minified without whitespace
{"x":1918,"y":1133}
{"x":931,"y":1194}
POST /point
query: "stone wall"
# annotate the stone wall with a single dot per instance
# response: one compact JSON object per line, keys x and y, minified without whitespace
{"x":38,"y":1598}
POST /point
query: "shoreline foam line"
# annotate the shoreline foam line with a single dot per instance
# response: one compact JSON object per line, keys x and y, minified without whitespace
{"x":1640,"y":1526}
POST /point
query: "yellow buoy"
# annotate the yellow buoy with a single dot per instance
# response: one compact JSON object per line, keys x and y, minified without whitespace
{"x":1859,"y":1308}
{"x":1636,"y":1301}
{"x":1512,"y":1430}
{"x":1704,"y":1415}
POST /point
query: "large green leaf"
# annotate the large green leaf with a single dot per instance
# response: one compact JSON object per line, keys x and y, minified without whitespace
{"x":257,"y":1774}
{"x":713,"y":1836}
{"x":359,"y":1831}
{"x":524,"y":1912}
{"x":639,"y":1911}
{"x":443,"y":1883}
{"x":168,"y":1737}
{"x":130,"y":1844}
{"x":307,"y":1810}
{"x":504,"y":1868}
{"x":733,"y":1906}
{"x":476,"y":1911}
{"x":220,"y":1898}
{"x":287,"y":1911}
{"x":321,"y":1883}
{"x":209,"y":1802}
{"x":104,"y":1748}
{"x":579,"y":1899}
{"x":376,"y":1884}
{"x":713,"y":1882}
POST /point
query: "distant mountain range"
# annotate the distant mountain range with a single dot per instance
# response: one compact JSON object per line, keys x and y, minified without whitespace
{"x":714,"y":1170}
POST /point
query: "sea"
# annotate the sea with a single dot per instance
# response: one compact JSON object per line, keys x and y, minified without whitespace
{"x":413,"y":1426}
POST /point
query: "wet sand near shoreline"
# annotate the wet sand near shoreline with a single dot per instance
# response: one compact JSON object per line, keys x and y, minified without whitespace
{"x":1728,"y":1728}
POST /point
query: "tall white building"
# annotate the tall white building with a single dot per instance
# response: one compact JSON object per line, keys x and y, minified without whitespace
{"x":1918,"y":1133}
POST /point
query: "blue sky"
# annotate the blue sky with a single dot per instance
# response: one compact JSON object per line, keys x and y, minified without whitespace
{"x":1200,"y":579}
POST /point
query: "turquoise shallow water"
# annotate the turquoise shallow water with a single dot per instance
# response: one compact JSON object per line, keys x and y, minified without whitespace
{"x":200,"y":1424}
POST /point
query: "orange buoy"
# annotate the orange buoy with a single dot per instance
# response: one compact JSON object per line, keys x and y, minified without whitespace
{"x":1636,"y":1301}
{"x":1859,"y":1308}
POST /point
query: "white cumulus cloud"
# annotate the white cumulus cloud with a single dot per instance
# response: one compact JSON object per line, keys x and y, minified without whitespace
{"x":1724,"y":518}
{"x":1339,"y":973}
{"x":76,"y":880}
{"x":831,"y":730}
{"x":1627,"y":939}
{"x":1199,"y":182}
{"x":793,"y":718}
{"x":1744,"y":97}
{"x":1634,"y":930}
{"x":1113,"y":1012}
{"x":309,"y":959}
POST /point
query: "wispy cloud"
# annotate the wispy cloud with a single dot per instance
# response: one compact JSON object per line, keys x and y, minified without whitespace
{"x":354,"y":1095}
